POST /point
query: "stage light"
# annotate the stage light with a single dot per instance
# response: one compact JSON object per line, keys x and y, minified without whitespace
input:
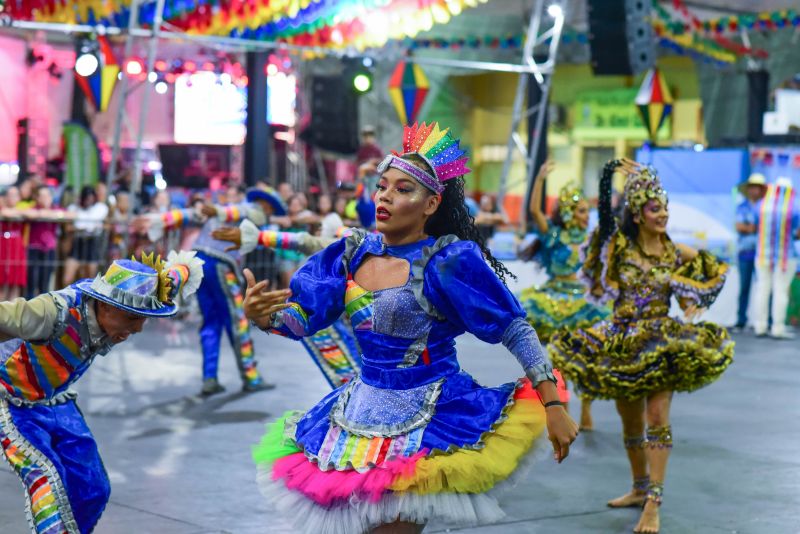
{"x":161,"y":87}
{"x":698,"y":147}
{"x":152,"y":77}
{"x":160,"y":65}
{"x":225,"y":78}
{"x":367,"y":62}
{"x":190,"y":66}
{"x":555,"y":11}
{"x":362,"y":82}
{"x":86,"y":64}
{"x":134,"y":67}
{"x":272,"y":69}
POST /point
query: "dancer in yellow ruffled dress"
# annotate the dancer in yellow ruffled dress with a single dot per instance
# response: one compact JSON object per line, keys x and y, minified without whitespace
{"x":642,"y":355}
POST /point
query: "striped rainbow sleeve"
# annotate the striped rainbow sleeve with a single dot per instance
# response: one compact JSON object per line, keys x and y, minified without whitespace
{"x":177,"y":218}
{"x":291,"y":322}
{"x":231,"y":213}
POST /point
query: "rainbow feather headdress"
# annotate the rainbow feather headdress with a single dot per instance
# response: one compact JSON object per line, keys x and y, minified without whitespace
{"x":438,"y":148}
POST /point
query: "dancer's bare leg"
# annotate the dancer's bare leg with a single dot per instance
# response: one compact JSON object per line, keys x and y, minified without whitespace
{"x":632,"y":414}
{"x":657,"y":449}
{"x":70,"y":270}
{"x":399,"y":527}
{"x":586,"y":414}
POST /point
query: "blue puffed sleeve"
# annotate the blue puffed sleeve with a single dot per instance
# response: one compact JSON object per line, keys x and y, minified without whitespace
{"x":317,"y":294}
{"x":463,"y":288}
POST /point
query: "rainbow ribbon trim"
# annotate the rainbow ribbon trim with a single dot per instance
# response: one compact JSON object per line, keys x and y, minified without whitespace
{"x":775,"y":232}
{"x":48,"y":506}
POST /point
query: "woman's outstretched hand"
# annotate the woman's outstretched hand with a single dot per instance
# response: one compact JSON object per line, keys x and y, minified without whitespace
{"x":546,"y":168}
{"x":561,"y":431}
{"x":692,"y":312}
{"x":260,"y":304}
{"x":628,"y":166}
{"x":231,"y":234}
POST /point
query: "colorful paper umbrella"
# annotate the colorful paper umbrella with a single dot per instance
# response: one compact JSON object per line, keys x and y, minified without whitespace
{"x":408,"y":87}
{"x":654,"y":101}
{"x":99,"y":86}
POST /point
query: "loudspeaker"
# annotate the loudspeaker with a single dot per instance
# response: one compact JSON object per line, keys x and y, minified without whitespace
{"x":757,"y":99}
{"x":620,"y":36}
{"x":334,"y":115}
{"x":257,"y":142}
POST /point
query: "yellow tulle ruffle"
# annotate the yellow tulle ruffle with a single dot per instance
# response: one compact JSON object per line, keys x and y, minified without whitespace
{"x":479,"y":470}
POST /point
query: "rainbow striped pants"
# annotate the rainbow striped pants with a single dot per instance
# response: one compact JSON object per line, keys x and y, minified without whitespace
{"x":55,"y":456}
{"x":221,"y":299}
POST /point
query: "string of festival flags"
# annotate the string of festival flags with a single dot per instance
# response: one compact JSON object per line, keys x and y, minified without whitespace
{"x":324,"y":23}
{"x":693,"y":39}
{"x":370,"y":23}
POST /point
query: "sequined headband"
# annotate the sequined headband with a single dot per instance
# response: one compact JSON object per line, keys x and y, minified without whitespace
{"x":412,"y":170}
{"x":568,"y":199}
{"x":643,"y":187}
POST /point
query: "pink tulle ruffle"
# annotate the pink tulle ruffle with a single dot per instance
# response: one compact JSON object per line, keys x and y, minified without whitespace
{"x":328,"y":487}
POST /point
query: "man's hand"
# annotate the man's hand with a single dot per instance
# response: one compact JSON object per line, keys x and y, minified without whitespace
{"x":208,"y":210}
{"x":259,"y":304}
{"x":231,"y":234}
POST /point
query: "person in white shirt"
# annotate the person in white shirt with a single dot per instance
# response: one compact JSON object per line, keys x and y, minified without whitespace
{"x":331,"y":221}
{"x":87,"y":241}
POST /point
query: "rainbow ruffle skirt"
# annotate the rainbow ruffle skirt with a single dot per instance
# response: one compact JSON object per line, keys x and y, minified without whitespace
{"x":448,"y":467}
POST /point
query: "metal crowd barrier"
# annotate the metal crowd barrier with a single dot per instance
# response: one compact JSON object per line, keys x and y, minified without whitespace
{"x":29,"y":270}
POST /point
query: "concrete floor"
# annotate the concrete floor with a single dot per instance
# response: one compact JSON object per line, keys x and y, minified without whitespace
{"x":181,"y":465}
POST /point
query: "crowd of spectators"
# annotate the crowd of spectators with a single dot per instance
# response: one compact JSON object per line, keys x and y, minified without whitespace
{"x":52,"y":236}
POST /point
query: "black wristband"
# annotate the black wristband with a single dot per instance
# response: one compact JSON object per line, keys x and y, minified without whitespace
{"x":553,"y":403}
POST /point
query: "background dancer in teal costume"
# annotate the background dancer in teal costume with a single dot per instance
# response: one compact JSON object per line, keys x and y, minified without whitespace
{"x":560,"y":302}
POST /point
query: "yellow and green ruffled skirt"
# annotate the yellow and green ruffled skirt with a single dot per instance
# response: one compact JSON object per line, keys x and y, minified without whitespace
{"x":630,"y":360}
{"x":560,"y":304}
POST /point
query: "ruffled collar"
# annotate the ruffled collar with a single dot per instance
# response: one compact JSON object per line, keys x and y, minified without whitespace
{"x":373,"y":244}
{"x":96,"y":335}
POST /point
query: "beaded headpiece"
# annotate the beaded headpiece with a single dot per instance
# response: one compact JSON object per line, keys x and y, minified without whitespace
{"x":438,"y":148}
{"x":568,"y":199}
{"x":643,"y":187}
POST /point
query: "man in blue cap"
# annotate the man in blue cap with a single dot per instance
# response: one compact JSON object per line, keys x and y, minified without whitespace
{"x":221,"y":295}
{"x":46,"y":344}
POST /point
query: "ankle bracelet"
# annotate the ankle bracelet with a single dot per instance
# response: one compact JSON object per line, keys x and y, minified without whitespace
{"x":655,"y":492}
{"x":634,"y":442}
{"x":641,"y":483}
{"x":659,"y":437}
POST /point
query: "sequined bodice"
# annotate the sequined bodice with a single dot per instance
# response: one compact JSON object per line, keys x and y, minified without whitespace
{"x":645,"y":283}
{"x":560,"y":253}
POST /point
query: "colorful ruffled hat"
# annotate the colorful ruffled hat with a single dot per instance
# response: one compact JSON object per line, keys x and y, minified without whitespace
{"x":269,"y":195}
{"x":148,"y":287}
{"x":438,"y":148}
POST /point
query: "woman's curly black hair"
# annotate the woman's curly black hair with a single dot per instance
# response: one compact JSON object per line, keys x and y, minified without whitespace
{"x":453,"y":218}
